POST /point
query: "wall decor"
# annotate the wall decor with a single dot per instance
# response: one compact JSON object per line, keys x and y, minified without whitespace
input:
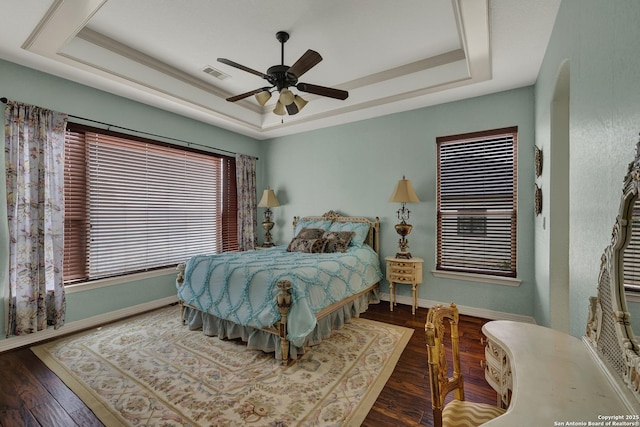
{"x":538,"y":159}
{"x":538,"y":200}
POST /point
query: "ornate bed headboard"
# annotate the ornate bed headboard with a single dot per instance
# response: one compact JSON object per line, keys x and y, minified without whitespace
{"x":608,"y":328}
{"x":373,"y":238}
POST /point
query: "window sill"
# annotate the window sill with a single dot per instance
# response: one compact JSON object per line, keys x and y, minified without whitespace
{"x":482,"y":278}
{"x":111,"y":281}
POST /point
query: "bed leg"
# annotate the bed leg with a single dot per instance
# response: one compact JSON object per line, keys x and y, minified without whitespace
{"x":180,"y":280}
{"x":284,"y":302}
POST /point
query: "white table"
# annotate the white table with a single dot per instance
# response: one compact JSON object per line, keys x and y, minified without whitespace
{"x":556,"y":379}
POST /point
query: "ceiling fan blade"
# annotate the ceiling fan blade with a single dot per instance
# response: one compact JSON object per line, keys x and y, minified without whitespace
{"x":324,"y":91}
{"x":242,"y":67}
{"x":246,"y":95}
{"x":306,"y":62}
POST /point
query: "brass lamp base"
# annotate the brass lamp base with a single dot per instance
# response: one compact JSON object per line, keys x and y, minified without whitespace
{"x":267,"y":225}
{"x":403,"y":229}
{"x":404,"y":255}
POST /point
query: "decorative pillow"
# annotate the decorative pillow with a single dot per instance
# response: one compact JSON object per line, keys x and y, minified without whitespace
{"x":360,"y":230}
{"x":311,"y":223}
{"x":337,"y":241}
{"x":310,"y":233}
{"x":311,"y":246}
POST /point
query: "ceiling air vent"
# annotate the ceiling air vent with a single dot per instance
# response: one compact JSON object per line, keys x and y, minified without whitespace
{"x":215,"y":72}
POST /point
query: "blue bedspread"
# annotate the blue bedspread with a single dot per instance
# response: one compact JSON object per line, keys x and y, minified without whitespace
{"x":241,"y":286}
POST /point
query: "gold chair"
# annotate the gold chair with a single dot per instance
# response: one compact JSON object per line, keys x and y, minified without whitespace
{"x":458,"y":412}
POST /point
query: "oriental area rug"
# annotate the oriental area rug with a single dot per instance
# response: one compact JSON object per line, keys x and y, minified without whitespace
{"x":151,"y":370}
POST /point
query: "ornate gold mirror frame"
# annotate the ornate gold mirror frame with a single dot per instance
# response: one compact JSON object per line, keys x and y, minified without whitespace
{"x":609,"y":330}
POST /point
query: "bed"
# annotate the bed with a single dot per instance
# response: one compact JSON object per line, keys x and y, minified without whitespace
{"x":287,"y":297}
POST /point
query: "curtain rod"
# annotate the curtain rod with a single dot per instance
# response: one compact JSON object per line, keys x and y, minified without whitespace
{"x":5,"y":100}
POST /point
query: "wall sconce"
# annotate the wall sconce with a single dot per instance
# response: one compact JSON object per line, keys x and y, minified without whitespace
{"x":268,"y":200}
{"x":404,"y":194}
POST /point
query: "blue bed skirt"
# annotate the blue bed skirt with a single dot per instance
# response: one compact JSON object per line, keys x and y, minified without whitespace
{"x":257,"y":339}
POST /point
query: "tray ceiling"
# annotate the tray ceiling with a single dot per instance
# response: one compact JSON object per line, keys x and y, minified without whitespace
{"x":390,"y":56}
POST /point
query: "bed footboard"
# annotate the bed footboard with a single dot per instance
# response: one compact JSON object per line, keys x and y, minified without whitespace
{"x":284,"y":303}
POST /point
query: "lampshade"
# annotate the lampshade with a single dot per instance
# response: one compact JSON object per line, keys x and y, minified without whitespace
{"x":286,"y":96}
{"x":279,"y":109}
{"x":404,"y":192}
{"x":263,"y":97}
{"x":268,"y":199}
{"x":300,"y":102}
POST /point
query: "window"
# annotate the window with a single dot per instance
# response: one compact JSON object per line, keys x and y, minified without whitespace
{"x":631,"y":257}
{"x":477,"y":202}
{"x":133,"y":205}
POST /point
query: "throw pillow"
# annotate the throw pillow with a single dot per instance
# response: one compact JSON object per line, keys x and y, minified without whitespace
{"x":337,"y":241}
{"x":311,"y":246}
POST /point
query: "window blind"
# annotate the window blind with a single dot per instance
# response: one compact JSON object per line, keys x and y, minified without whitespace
{"x":631,"y":257}
{"x":75,"y":207}
{"x":145,"y":205}
{"x":477,"y":203}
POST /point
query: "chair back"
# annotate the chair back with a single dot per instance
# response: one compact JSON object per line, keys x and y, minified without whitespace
{"x":442,"y":381}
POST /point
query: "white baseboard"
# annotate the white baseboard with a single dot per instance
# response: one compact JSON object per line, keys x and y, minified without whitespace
{"x":79,"y":325}
{"x":468,"y":311}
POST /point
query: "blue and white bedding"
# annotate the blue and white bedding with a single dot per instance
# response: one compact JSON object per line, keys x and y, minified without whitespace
{"x":241,"y":286}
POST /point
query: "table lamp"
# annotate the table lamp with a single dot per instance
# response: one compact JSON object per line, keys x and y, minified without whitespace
{"x":404,"y":194}
{"x":268,"y":201}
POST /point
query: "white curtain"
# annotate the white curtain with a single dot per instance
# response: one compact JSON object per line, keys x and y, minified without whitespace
{"x":34,"y":163}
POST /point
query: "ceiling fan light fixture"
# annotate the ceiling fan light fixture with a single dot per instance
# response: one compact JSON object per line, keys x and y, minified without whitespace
{"x":300,"y":102}
{"x":279,"y":109}
{"x":286,"y":97}
{"x":263,"y":97}
{"x":281,"y":77}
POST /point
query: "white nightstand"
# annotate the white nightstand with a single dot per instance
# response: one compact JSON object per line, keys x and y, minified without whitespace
{"x":404,"y":271}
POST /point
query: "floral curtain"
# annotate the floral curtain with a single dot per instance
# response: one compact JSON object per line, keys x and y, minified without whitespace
{"x":247,"y":201}
{"x":34,"y":164}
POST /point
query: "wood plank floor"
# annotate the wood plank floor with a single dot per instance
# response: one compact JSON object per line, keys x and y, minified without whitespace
{"x":31,"y":395}
{"x":406,"y":398}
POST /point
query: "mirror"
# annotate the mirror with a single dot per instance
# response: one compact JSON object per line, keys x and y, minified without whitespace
{"x":609,"y":330}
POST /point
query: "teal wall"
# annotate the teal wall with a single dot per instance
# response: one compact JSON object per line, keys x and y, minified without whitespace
{"x":33,"y":87}
{"x":599,"y":39}
{"x":353,"y":168}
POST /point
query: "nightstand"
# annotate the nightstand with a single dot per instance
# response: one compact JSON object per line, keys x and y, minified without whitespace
{"x":404,"y":271}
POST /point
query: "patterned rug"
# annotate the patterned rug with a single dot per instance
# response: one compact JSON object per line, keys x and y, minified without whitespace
{"x":152,"y":371}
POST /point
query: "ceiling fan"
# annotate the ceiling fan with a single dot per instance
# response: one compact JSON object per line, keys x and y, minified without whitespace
{"x":282,"y":77}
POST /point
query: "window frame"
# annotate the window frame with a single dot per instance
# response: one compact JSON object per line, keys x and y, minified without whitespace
{"x":452,"y":211}
{"x":225,"y":222}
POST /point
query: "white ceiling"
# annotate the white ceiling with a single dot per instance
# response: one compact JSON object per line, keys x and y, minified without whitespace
{"x":390,"y":55}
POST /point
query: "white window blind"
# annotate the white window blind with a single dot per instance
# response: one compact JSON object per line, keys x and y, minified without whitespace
{"x":631,"y":257}
{"x":149,"y":206}
{"x":477,"y":202}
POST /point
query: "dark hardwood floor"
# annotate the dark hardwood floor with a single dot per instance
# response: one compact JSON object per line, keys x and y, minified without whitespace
{"x":31,"y":395}
{"x":406,"y":398}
